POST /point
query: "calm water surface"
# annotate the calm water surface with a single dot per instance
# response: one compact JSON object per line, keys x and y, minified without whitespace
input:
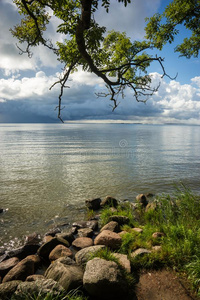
{"x":48,"y":171}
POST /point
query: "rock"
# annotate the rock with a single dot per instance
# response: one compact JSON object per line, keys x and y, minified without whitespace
{"x":68,"y":235}
{"x":112,"y":226}
{"x":32,"y":239}
{"x":47,"y":247}
{"x":123,"y":261}
{"x":103,"y":280}
{"x":23,"y":269}
{"x":156,"y":248}
{"x":53,"y":232}
{"x":121,"y":233}
{"x":8,"y":288}
{"x":139,"y":230}
{"x":66,"y":272}
{"x":109,"y":201}
{"x":40,"y":286}
{"x":34,"y":277}
{"x":47,"y":238}
{"x":121,"y":220}
{"x":157,"y":235}
{"x":83,"y":255}
{"x":60,"y":251}
{"x":82,"y":242}
{"x":36,"y":260}
{"x":140,"y":251}
{"x":86,"y":224}
{"x":142,"y":199}
{"x":151,"y":206}
{"x":7,"y":265}
{"x":21,"y":252}
{"x":93,"y":204}
{"x":109,"y":239}
{"x":85,"y":232}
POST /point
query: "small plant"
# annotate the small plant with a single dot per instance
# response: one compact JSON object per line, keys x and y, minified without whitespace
{"x":121,"y":210}
{"x":104,"y":253}
{"x":193,"y":270}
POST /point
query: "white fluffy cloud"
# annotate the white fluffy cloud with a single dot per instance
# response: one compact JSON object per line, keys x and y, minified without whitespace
{"x":173,"y":101}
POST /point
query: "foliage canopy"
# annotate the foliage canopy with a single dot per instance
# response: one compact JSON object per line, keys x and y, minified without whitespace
{"x":163,"y":28}
{"x":120,"y":62}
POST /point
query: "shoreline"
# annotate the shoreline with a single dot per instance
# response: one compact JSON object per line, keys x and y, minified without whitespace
{"x":110,"y":229}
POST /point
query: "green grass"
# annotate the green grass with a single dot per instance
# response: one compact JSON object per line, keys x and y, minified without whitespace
{"x":178,"y":217}
{"x":123,"y":209}
{"x":72,"y":295}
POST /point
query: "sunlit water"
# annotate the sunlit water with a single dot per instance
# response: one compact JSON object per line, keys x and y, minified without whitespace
{"x":48,"y":171}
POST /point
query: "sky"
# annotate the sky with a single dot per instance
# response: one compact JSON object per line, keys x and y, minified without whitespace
{"x":24,"y":83}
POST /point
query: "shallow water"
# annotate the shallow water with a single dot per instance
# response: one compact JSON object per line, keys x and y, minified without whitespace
{"x":47,"y":171}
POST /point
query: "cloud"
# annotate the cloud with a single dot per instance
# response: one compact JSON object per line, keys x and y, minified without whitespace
{"x":32,"y":96}
{"x":10,"y":60}
{"x":130,"y":19}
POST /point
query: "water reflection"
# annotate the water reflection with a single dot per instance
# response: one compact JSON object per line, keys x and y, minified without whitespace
{"x":50,"y":170}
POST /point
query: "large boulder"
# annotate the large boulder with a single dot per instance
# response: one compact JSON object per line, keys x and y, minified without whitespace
{"x":23,"y":269}
{"x":8,"y":288}
{"x":109,"y":239}
{"x":83,"y":255}
{"x":60,"y":251}
{"x":93,"y":204}
{"x":66,"y":272}
{"x":104,"y":280}
{"x":40,"y":286}
{"x":7,"y":265}
{"x":82,"y":242}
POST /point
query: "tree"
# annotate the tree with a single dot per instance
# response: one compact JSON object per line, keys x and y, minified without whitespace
{"x":120,"y":62}
{"x":163,"y":28}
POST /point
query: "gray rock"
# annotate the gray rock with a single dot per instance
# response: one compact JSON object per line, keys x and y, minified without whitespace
{"x":83,"y":255}
{"x":109,"y":239}
{"x":7,"y":289}
{"x":93,"y":204}
{"x":103,"y":280}
{"x":112,"y":226}
{"x":66,"y":272}
{"x":40,"y":286}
